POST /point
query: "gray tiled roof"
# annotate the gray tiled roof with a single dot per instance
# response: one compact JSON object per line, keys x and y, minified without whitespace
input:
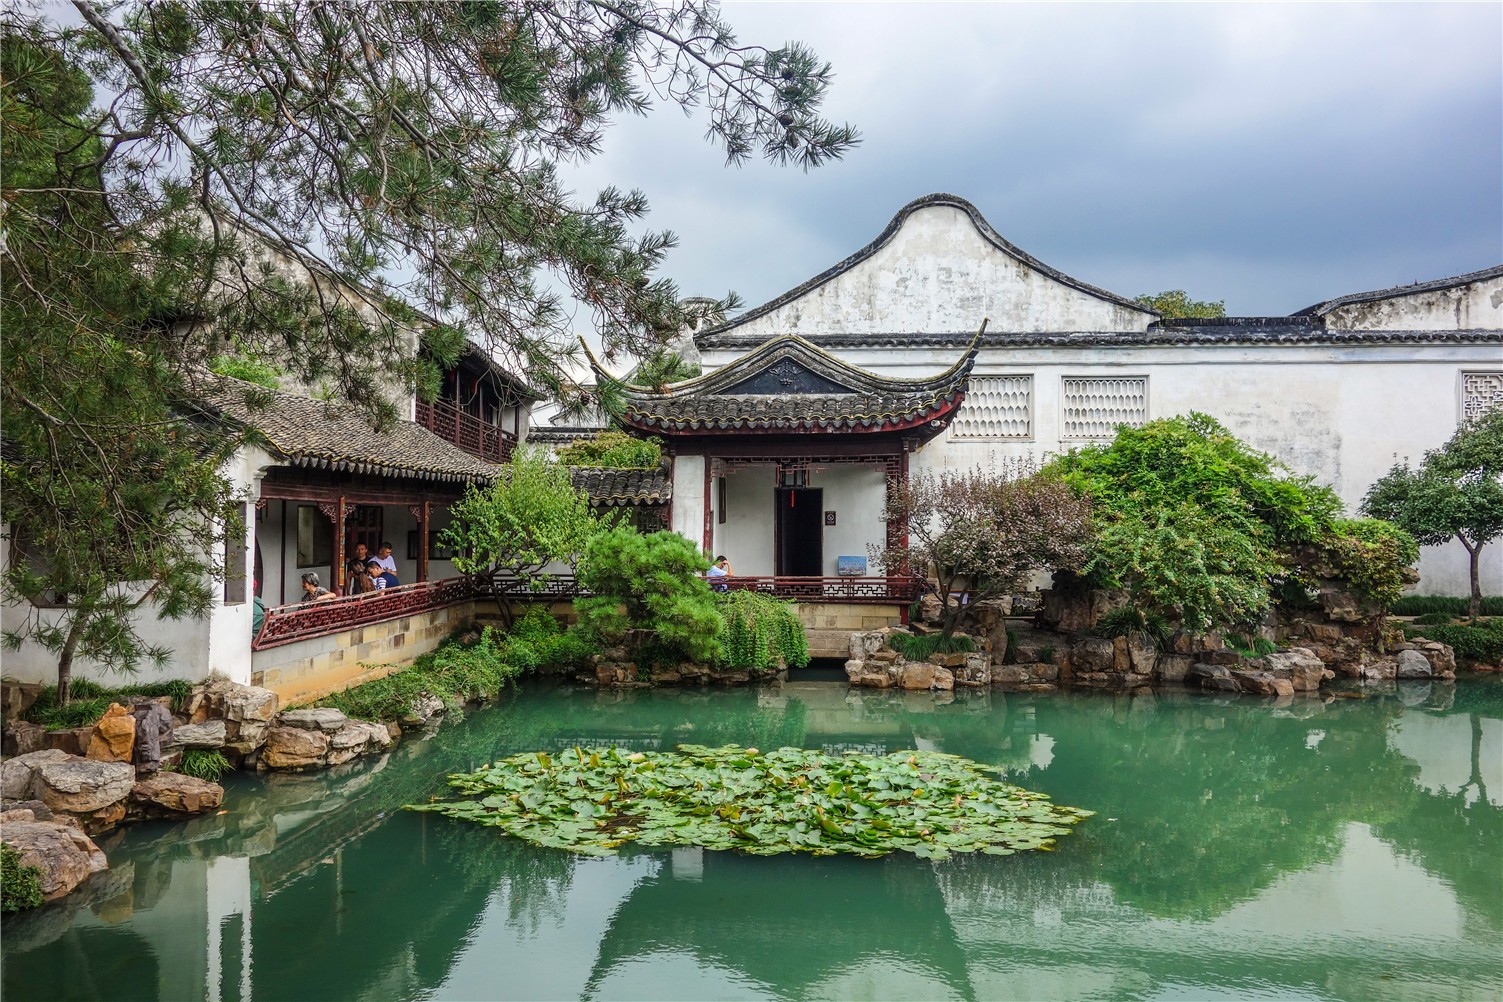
{"x":609,"y":488}
{"x":312,"y":434}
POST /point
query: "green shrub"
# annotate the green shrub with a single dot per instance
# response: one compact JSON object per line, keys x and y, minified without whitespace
{"x":90,"y":700}
{"x":454,"y":672}
{"x":1479,"y":641}
{"x":1418,"y":605}
{"x":538,"y":642}
{"x":1374,"y":556}
{"x":20,"y":884}
{"x":1255,"y":647}
{"x":1434,"y":619}
{"x":614,"y":449}
{"x":204,"y":763}
{"x":1130,"y":622}
{"x":918,"y":647}
{"x":758,"y":631}
{"x":652,"y":583}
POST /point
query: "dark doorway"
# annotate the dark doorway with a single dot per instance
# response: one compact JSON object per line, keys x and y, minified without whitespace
{"x":363,"y":525}
{"x":800,"y":531}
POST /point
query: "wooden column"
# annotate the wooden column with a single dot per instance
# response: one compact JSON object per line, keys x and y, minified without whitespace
{"x":422,"y":571}
{"x":338,"y":568}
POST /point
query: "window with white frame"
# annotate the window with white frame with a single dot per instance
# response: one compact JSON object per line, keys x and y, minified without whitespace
{"x":1480,"y":393}
{"x":996,"y":407}
{"x":1094,"y":406}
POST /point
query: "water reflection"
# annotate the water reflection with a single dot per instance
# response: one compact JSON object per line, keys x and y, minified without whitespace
{"x":1315,"y":848}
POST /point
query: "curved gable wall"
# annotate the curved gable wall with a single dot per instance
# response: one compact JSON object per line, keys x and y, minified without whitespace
{"x":1474,"y":305}
{"x":939,"y":274}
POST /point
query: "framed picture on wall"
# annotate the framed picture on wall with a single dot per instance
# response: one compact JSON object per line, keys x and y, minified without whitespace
{"x":315,"y":537}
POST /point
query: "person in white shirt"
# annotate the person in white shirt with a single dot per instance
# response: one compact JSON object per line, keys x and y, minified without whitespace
{"x":386,"y":560}
{"x":721,"y":568}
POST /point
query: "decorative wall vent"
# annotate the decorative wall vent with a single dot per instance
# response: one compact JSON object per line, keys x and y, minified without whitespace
{"x":1480,"y":393}
{"x":1094,"y":407}
{"x":996,"y":407}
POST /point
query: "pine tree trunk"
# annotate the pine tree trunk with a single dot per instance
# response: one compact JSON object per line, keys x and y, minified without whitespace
{"x":65,"y":661}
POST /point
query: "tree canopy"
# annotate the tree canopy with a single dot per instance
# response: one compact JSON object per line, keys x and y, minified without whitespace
{"x":1456,"y":492}
{"x":1176,"y":304}
{"x":342,"y":191}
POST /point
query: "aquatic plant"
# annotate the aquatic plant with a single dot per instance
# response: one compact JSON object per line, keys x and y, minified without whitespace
{"x":20,"y":883}
{"x":591,"y":801}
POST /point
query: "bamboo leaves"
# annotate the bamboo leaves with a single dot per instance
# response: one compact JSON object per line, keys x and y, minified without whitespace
{"x":591,"y":801}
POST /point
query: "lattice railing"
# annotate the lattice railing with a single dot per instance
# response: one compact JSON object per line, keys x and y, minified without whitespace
{"x":875,"y":590}
{"x":466,"y":431}
{"x":287,"y":623}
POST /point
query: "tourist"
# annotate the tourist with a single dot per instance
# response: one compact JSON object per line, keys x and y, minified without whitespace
{"x":386,"y":560}
{"x":313,"y":591}
{"x":359,"y":575}
{"x":721,"y":568}
{"x":362,"y":553}
{"x":379,"y":576}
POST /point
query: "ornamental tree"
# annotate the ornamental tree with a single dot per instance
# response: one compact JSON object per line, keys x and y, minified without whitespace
{"x":309,"y":185}
{"x":982,"y":531}
{"x":1455,"y":493}
{"x":529,"y":517}
{"x":1176,"y":304}
{"x":652,"y":583}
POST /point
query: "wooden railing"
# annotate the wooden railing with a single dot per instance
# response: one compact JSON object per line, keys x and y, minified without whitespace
{"x":288,"y":623}
{"x":466,"y":431}
{"x":876,"y":590}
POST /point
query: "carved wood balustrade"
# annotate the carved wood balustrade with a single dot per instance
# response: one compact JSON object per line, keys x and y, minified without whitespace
{"x":288,"y":623}
{"x":466,"y":431}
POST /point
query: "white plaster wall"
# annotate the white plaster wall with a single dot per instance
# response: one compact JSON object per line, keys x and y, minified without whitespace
{"x":219,"y":642}
{"x":1475,"y":305}
{"x":747,"y":535}
{"x":689,"y":498}
{"x":939,"y":274}
{"x":1344,"y":414}
{"x":855,"y":494}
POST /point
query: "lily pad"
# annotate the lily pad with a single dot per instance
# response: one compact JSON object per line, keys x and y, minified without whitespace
{"x":790,"y":800}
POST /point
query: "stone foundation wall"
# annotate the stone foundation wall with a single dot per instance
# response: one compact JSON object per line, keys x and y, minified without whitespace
{"x":310,"y":669}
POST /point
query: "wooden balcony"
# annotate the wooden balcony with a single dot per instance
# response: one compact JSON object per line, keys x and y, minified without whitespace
{"x":285,"y":624}
{"x":467,"y":431}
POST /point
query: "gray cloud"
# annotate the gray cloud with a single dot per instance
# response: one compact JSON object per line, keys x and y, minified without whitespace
{"x":1270,"y":155}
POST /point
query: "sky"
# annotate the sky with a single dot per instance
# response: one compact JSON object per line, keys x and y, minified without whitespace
{"x":1268,"y":155}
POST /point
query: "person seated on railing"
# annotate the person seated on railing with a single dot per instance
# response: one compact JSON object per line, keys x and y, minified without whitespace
{"x":381,"y":577}
{"x":313,"y":591}
{"x":359,"y":576}
{"x":721,"y":568}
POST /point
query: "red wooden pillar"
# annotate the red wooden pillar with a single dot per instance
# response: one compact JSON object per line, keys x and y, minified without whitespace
{"x":422,"y":571}
{"x":339,"y":558}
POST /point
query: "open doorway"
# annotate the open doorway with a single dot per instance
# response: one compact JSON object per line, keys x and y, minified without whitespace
{"x":800,"y":531}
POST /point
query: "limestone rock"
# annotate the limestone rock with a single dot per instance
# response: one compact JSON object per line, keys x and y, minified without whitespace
{"x":16,"y":773}
{"x":1203,"y":674}
{"x":867,"y":643}
{"x":65,"y":855}
{"x":948,"y":660}
{"x":1093,"y":654}
{"x":1069,"y":606}
{"x":877,"y":680}
{"x":1413,"y":664}
{"x":173,"y":795}
{"x":319,"y":718}
{"x":1441,"y":657}
{"x":1142,"y":654}
{"x":943,"y":679}
{"x":293,"y":747}
{"x":81,"y":786}
{"x":917,"y":675}
{"x":1173,"y":667}
{"x":70,"y":740}
{"x":153,"y":731}
{"x":114,"y":736}
{"x":887,"y":657}
{"x":1259,"y":683}
{"x":23,"y":737}
{"x":854,"y":669}
{"x":1283,"y":687}
{"x":1304,"y":670}
{"x":210,"y":734}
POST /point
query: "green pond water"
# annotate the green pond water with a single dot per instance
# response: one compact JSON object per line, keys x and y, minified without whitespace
{"x":1243,"y":849}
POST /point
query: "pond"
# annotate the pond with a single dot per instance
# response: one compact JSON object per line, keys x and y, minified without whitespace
{"x":1342,"y":848}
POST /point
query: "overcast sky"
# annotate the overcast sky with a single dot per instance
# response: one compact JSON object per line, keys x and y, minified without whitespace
{"x":1271,"y":155}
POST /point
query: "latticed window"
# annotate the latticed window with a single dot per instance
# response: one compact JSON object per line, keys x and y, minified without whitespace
{"x":1094,"y":407}
{"x":996,"y":407}
{"x":1480,"y":393}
